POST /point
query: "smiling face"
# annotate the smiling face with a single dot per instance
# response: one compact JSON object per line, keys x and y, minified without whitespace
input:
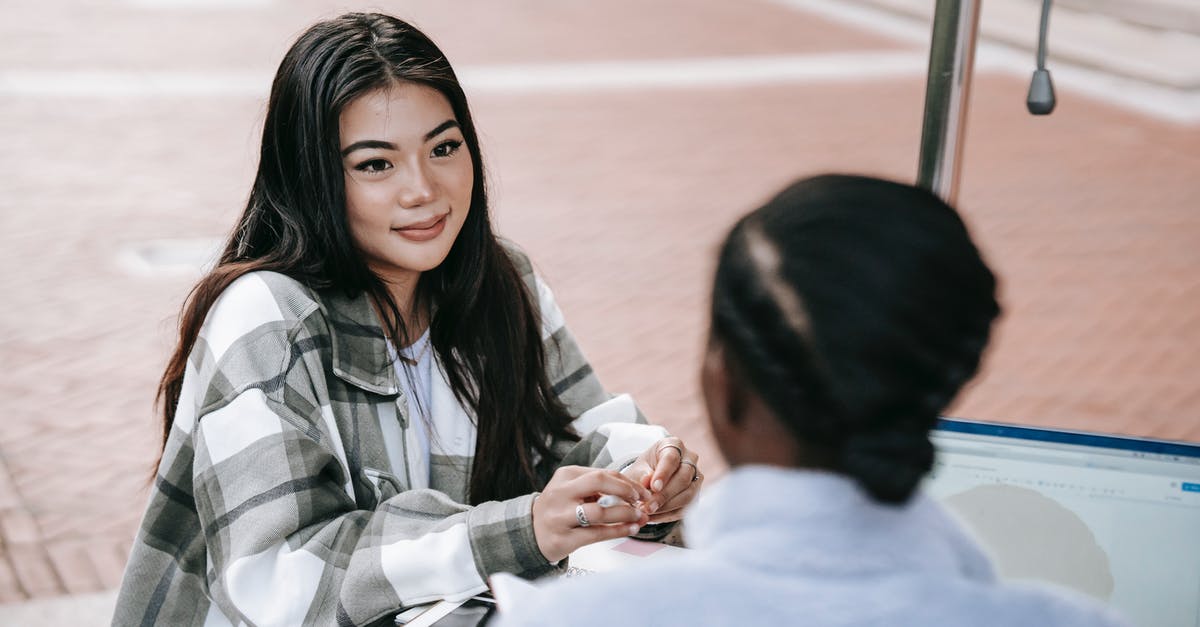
{"x":408,"y":179}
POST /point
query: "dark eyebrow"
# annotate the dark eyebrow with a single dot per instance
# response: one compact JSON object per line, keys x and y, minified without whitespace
{"x":375,"y":143}
{"x":440,"y":128}
{"x":368,"y":143}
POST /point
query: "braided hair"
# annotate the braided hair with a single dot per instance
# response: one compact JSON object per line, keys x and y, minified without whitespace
{"x":857,"y":309}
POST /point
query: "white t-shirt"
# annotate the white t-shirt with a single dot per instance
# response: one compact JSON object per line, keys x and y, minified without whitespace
{"x":416,"y":385}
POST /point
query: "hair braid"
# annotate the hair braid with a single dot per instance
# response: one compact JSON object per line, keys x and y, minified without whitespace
{"x":857,"y":308}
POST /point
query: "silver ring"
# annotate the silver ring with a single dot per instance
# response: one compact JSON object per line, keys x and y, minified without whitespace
{"x":667,"y":446}
{"x":580,"y":516}
{"x":695,"y":469}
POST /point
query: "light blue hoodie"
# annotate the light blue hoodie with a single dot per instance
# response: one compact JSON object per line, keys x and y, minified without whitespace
{"x":788,"y":547}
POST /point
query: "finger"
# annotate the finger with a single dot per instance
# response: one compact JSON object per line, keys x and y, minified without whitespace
{"x":598,"y":482}
{"x":626,"y":514}
{"x":639,"y":473}
{"x":676,"y":484}
{"x":608,"y":500}
{"x":567,"y":473}
{"x":667,"y":517}
{"x":582,"y":536}
{"x":666,"y":462}
{"x":682,"y":499}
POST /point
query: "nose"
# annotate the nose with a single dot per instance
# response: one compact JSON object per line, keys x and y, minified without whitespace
{"x":417,"y":189}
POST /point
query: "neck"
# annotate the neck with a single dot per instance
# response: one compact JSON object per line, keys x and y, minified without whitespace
{"x":755,"y":436}
{"x":759,"y":437}
{"x":402,"y":287}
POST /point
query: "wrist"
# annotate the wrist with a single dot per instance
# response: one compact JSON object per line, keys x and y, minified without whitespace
{"x":503,"y":537}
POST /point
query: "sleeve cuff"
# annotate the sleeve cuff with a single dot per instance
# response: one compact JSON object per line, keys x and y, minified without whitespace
{"x":502,"y":538}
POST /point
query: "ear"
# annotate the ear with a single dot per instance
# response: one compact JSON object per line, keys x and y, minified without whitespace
{"x":714,"y":381}
{"x":720,"y":390}
{"x":743,"y":426}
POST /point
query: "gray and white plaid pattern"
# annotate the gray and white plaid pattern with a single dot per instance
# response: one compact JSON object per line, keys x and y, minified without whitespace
{"x":276,"y":503}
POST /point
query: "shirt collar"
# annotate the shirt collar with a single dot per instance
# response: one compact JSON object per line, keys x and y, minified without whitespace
{"x":359,"y":347}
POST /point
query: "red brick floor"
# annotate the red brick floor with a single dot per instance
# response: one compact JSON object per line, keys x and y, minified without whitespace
{"x":1089,"y":216}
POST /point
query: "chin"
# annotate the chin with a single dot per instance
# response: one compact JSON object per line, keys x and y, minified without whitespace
{"x":422,"y":262}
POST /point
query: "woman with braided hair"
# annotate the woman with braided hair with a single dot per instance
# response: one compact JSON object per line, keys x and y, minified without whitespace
{"x":847,"y":314}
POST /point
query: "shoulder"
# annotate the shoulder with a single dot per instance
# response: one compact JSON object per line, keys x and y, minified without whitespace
{"x":1019,"y":604}
{"x":267,"y":291}
{"x":1060,"y":606}
{"x":518,"y":257}
{"x":585,"y":601}
{"x":590,"y":601}
{"x":255,"y":302}
{"x":543,"y":297}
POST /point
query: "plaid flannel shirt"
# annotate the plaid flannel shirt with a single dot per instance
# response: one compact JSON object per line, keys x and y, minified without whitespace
{"x":275,"y":502}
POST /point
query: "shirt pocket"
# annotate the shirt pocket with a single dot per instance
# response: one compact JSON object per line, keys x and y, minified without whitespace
{"x":384,"y":485}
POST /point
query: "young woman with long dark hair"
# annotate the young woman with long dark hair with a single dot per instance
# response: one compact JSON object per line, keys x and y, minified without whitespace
{"x":374,"y":402}
{"x":847,"y":313}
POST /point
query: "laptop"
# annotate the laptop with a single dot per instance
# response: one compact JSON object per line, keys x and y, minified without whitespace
{"x":1116,"y":518}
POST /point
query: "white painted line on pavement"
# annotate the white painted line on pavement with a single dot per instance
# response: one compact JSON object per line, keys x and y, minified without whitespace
{"x":865,"y":17}
{"x":698,"y":73}
{"x":170,"y":257}
{"x":199,"y":4}
{"x":113,"y":84}
{"x":712,"y":73}
{"x":1165,"y":103}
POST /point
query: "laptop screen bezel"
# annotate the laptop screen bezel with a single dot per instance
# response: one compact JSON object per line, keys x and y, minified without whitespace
{"x":1064,"y":436}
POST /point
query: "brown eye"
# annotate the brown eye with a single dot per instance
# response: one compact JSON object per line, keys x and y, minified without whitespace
{"x":446,"y":148}
{"x":374,"y":165}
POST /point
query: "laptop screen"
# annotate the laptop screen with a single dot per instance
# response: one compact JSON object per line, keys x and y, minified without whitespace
{"x":1113,"y":517}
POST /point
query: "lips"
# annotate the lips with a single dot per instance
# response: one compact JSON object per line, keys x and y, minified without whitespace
{"x":423,"y":231}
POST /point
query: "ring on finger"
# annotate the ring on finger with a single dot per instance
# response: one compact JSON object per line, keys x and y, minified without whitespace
{"x":667,"y":446}
{"x":695,"y":469}
{"x":580,"y":516}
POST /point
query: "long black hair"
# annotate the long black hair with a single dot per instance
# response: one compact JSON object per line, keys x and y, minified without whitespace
{"x":857,"y":309}
{"x":295,"y":223}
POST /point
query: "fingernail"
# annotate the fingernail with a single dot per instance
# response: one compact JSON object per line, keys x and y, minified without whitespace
{"x":653,"y":507}
{"x":633,"y":529}
{"x":657,"y":485}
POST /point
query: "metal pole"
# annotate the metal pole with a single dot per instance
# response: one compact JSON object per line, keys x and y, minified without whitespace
{"x":947,"y":92}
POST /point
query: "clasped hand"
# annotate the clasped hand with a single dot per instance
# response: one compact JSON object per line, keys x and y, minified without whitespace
{"x":570,"y":512}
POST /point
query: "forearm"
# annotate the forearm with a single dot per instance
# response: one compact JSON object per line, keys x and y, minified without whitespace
{"x":288,"y":542}
{"x":362,"y":565}
{"x":611,"y":436}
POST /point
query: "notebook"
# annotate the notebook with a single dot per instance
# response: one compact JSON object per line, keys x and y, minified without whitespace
{"x":1116,"y":518}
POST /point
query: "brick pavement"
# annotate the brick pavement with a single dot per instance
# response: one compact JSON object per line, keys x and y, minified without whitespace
{"x":1089,"y":216}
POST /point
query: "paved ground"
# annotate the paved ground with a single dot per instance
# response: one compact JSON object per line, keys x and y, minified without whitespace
{"x":620,"y":194}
